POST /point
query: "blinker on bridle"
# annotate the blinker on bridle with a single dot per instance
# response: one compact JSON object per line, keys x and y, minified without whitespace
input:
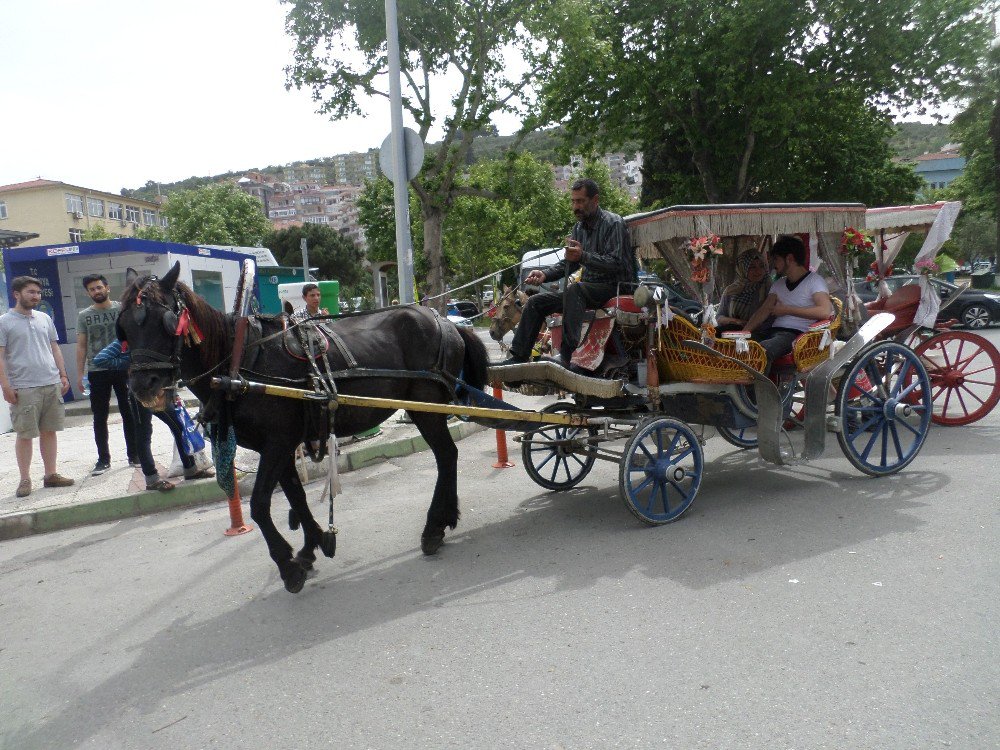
{"x":176,"y":323}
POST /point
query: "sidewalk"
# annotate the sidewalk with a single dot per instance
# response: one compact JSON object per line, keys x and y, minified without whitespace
{"x":121,"y":493}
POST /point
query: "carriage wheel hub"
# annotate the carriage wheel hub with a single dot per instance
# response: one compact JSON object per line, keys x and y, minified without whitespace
{"x":953,"y":379}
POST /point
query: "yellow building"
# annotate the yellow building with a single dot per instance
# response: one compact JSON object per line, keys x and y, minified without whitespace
{"x":58,"y":212}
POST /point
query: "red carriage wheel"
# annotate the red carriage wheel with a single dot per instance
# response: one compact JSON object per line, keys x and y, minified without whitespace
{"x":965,"y":376}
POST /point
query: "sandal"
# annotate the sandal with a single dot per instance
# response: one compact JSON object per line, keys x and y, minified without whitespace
{"x":201,"y":474}
{"x":161,"y":485}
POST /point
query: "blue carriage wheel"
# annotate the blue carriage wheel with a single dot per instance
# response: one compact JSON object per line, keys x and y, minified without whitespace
{"x":661,"y":470}
{"x":558,"y":457}
{"x":884,"y":408}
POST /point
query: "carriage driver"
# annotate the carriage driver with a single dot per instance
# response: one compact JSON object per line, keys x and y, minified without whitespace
{"x":796,"y":301}
{"x":599,"y":243}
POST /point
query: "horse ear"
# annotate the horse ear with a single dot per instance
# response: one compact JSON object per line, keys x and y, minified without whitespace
{"x":130,"y":276}
{"x":168,"y":281}
{"x":506,"y":289}
{"x":288,"y":307}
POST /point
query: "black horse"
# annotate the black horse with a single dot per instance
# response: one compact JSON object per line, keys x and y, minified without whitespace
{"x":417,"y":353}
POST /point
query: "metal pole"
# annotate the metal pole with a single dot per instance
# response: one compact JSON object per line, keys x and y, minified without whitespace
{"x":304,"y":244}
{"x":404,"y":247}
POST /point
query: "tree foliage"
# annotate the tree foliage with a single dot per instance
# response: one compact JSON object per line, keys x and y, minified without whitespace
{"x":216,"y":215}
{"x":764,"y":99}
{"x":335,"y":255}
{"x":978,"y":128}
{"x":340,"y":53}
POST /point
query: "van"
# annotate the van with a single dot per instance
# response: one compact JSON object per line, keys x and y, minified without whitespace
{"x":541,"y":259}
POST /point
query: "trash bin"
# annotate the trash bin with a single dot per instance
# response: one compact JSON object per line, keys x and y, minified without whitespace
{"x":983,"y":280}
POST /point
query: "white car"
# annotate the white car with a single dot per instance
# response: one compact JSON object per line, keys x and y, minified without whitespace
{"x":459,"y":320}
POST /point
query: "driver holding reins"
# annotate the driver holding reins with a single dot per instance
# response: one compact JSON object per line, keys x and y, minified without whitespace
{"x":599,"y":243}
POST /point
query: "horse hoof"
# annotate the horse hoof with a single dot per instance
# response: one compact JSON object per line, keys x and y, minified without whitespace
{"x":296,"y":579}
{"x":431,"y":544}
{"x":328,"y":543}
{"x":293,"y":520}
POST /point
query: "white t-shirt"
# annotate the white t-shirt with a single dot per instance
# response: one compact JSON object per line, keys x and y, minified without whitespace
{"x":800,"y":296}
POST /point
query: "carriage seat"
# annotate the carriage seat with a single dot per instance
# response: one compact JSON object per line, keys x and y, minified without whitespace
{"x":902,"y":303}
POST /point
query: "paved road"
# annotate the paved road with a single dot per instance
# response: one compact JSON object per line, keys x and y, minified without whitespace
{"x":791,"y":608}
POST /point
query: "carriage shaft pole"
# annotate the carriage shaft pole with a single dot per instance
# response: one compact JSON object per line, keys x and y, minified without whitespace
{"x":371,"y":402}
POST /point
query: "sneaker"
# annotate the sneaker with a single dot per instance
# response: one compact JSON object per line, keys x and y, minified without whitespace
{"x":100,"y":467}
{"x":57,"y":480}
{"x":134,"y":463}
{"x":24,"y":488}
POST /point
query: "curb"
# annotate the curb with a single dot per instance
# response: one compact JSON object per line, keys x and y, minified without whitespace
{"x":200,"y":492}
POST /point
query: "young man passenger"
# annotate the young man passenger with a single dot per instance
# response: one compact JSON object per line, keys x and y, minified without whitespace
{"x":797,"y":300}
{"x":95,"y":329}
{"x":33,"y":379}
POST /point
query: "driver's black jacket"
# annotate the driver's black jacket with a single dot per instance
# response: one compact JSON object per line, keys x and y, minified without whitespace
{"x":607,"y":253}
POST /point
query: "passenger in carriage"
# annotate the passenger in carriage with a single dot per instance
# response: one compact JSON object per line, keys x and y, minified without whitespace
{"x":796,"y":301}
{"x":743,"y":297}
{"x":599,"y":244}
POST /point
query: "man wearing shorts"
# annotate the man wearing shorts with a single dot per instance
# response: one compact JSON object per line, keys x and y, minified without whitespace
{"x":33,"y":378}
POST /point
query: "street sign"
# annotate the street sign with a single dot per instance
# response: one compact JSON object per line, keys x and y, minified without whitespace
{"x":414,"y":160}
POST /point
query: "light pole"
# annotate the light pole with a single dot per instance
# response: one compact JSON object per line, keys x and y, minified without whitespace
{"x":401,"y":196}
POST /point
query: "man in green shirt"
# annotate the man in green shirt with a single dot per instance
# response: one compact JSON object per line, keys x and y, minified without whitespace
{"x":95,"y":329}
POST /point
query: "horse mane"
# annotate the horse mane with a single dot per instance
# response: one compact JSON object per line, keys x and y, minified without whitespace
{"x":212,"y":323}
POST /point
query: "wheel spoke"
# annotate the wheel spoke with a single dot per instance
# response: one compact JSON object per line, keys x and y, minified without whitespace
{"x":896,"y":443}
{"x":870,"y":444}
{"x":665,"y":498}
{"x":642,"y":485}
{"x":908,"y":426}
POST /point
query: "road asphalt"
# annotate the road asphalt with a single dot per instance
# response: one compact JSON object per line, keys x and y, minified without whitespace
{"x":121,"y":493}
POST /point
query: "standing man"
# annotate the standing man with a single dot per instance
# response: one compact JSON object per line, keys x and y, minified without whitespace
{"x":599,"y":243}
{"x":312,"y":296}
{"x":797,"y":300}
{"x":95,"y":329}
{"x":33,"y":378}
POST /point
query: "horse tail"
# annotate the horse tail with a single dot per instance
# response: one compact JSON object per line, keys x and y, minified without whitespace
{"x":476,"y":359}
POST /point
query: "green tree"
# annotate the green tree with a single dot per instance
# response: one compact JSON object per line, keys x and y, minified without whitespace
{"x":440,"y":42}
{"x":97,"y":232}
{"x":335,"y":255}
{"x":978,"y":129}
{"x":216,"y":215}
{"x":524,"y":212}
{"x":757,"y":99}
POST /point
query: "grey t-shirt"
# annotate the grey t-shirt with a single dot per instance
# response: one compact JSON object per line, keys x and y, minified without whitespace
{"x":99,"y":327}
{"x":27,"y":342}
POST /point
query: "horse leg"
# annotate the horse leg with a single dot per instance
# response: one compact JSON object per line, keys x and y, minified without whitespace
{"x":292,"y":573}
{"x":444,"y":504}
{"x":314,"y":536}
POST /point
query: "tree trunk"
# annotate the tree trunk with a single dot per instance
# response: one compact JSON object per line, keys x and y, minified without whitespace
{"x":433,"y":223}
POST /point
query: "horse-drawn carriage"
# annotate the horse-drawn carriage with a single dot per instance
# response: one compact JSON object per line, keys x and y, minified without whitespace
{"x":647,"y":378}
{"x":667,"y":382}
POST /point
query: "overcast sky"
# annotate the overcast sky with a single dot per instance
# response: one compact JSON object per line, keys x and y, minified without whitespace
{"x":111,"y":93}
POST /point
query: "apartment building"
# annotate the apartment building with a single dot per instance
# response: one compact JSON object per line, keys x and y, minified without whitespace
{"x":940,"y":169}
{"x":59,"y":212}
{"x":294,"y":204}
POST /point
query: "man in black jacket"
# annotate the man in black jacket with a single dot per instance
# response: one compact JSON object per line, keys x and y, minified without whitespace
{"x":599,"y":243}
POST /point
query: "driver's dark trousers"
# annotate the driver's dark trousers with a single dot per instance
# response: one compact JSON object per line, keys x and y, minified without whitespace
{"x":578,"y":298}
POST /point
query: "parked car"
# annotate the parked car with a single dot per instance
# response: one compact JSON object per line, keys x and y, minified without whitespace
{"x":463,"y":307}
{"x":973,"y":308}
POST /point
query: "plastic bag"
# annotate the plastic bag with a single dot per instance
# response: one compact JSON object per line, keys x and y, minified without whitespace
{"x":194,"y":441}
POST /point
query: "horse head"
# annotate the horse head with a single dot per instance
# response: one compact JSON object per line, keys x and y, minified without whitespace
{"x":152,"y":320}
{"x":508,"y":313}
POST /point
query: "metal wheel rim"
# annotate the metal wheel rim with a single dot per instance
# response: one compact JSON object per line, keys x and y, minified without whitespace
{"x":976,"y":317}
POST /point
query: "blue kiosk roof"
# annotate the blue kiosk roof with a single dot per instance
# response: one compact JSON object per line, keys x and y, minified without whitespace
{"x":119,"y":245}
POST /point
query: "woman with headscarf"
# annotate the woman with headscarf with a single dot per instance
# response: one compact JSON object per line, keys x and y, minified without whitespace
{"x":741,"y":299}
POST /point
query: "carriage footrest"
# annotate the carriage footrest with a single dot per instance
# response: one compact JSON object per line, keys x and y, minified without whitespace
{"x":557,"y":377}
